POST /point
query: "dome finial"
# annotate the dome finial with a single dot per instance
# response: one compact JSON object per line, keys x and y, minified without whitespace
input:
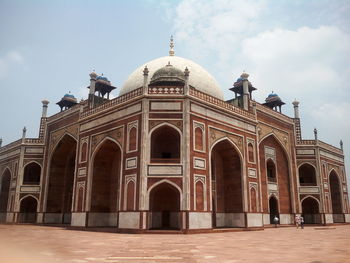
{"x":171,"y":51}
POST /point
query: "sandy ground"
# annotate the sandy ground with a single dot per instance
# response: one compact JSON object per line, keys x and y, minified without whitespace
{"x":37,"y":244}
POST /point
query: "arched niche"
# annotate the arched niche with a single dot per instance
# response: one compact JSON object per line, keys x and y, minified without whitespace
{"x":273,"y":208}
{"x":164,"y":206}
{"x":31,"y":174}
{"x":28,"y":210}
{"x":165,"y":145}
{"x":311,"y":210}
{"x":335,"y":188}
{"x":307,"y":175}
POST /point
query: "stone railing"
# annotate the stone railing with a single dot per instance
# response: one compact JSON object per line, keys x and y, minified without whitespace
{"x":33,"y":140}
{"x":10,"y":145}
{"x":166,"y":90}
{"x":307,"y":142}
{"x":220,"y":103}
{"x":274,"y":113}
{"x":121,"y":99}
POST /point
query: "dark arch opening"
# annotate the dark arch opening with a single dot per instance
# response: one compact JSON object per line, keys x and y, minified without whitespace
{"x":165,"y":145}
{"x":273,"y":204}
{"x":4,"y":194}
{"x":338,"y":217}
{"x":307,"y":175}
{"x":311,"y":211}
{"x":31,"y":174}
{"x":271,"y":171}
{"x":227,"y":201}
{"x":106,"y":170}
{"x":165,"y":207}
{"x":61,"y":178}
{"x":28,"y":210}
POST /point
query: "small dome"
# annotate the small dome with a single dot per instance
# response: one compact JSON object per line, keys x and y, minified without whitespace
{"x":102,"y":78}
{"x":272,"y":97}
{"x":168,"y":73}
{"x":93,"y":74}
{"x":69,"y":97}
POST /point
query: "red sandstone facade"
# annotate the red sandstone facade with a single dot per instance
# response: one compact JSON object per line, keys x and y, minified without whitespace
{"x":167,"y":155}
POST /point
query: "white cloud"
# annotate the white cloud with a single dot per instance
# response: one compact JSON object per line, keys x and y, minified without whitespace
{"x":10,"y":59}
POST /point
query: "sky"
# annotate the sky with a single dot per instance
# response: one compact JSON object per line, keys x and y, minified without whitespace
{"x":297,"y":49}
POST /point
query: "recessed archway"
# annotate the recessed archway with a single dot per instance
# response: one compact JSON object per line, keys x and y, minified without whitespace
{"x":61,"y":178}
{"x":4,"y":194}
{"x":32,"y":173}
{"x":311,"y":212}
{"x":164,"y":207}
{"x":226,"y":183}
{"x":273,"y":205}
{"x":105,"y":178}
{"x":307,"y":175}
{"x":165,"y":145}
{"x":335,"y":185}
{"x":28,"y":210}
{"x":271,"y":148}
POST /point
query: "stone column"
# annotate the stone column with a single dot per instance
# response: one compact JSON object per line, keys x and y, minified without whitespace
{"x":245,"y":76}
{"x":145,"y":80}
{"x":296,"y":109}
{"x":45,"y":105}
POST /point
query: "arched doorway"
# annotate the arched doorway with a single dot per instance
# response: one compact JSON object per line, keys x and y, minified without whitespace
{"x":164,"y":150}
{"x":31,"y":174}
{"x":273,"y":205}
{"x":311,"y":211}
{"x":28,"y":210}
{"x":226,"y":182}
{"x":307,"y":175}
{"x":338,"y":216}
{"x":61,"y":178}
{"x":4,"y":194}
{"x":105,"y":184}
{"x":164,"y":207}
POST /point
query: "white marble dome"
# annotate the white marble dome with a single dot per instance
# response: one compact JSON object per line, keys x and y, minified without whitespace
{"x":199,"y":78}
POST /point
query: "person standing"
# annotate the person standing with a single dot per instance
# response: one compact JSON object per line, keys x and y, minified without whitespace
{"x":297,"y":221}
{"x":302,"y":222}
{"x":275,"y":220}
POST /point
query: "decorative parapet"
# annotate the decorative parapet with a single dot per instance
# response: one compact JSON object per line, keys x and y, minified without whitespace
{"x":10,"y":145}
{"x":34,"y":141}
{"x":274,"y":113}
{"x":121,"y":99}
{"x":63,"y":113}
{"x":220,"y":103}
{"x":329,"y":147}
{"x":166,"y":90}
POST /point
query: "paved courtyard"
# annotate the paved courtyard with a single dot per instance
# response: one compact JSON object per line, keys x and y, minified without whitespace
{"x":29,"y":244}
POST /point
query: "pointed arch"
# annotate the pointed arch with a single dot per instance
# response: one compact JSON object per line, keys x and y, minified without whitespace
{"x":270,"y":146}
{"x":161,"y":149}
{"x":307,"y":174}
{"x":5,"y":183}
{"x":164,"y":205}
{"x":277,"y":139}
{"x":274,"y":207}
{"x":28,"y":209}
{"x":32,"y":173}
{"x":227,"y":183}
{"x":60,"y":179}
{"x":335,"y":185}
{"x":311,"y":209}
{"x":104,"y":177}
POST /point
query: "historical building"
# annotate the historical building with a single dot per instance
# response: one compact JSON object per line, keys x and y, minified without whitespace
{"x":170,"y":153}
